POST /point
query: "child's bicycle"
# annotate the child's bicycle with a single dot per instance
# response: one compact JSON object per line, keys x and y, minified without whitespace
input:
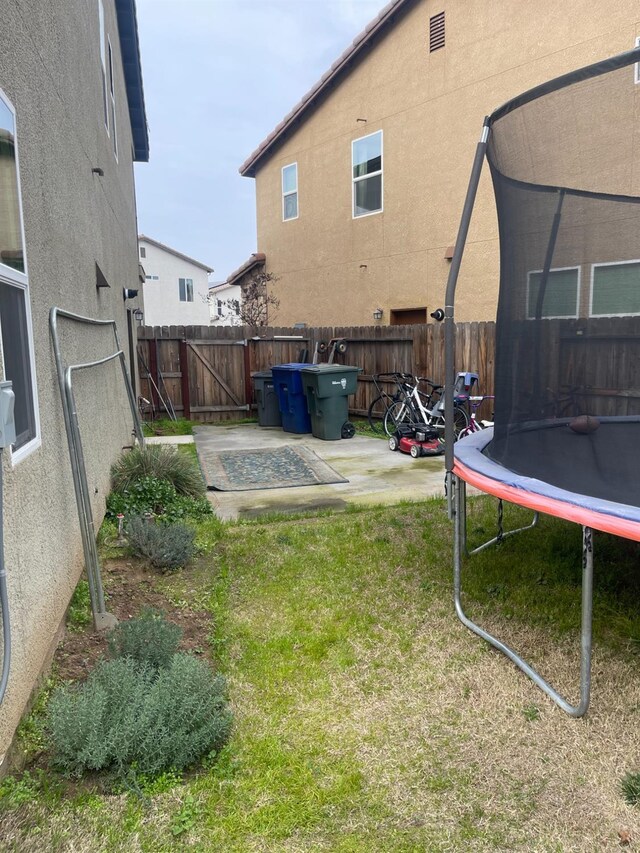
{"x":474,"y":424}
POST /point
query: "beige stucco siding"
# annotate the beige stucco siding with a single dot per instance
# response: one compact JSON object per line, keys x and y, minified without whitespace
{"x":430,"y":107}
{"x":73,"y":219}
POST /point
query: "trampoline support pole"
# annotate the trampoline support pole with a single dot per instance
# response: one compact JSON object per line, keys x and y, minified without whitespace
{"x":449,"y":325}
{"x":462,"y":509}
{"x":459,"y":545}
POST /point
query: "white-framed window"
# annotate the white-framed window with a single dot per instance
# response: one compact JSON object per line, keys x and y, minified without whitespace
{"x":290,"y":191}
{"x":143,"y":252}
{"x":219,"y":307}
{"x":637,"y":65}
{"x":153,"y":277}
{"x":561,"y":298}
{"x":366,"y":169}
{"x":15,"y":308}
{"x":103,"y":64}
{"x":185,"y":288}
{"x":615,"y":289}
{"x":112,"y":102}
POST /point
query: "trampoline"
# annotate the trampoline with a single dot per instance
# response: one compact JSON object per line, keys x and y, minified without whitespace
{"x":565,"y":165}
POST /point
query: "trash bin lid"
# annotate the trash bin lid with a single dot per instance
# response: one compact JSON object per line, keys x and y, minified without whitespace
{"x":293,"y":365}
{"x":262,"y":374}
{"x":329,"y":368}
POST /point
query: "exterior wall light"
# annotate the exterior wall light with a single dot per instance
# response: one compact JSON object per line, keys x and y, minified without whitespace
{"x":138,"y":316}
{"x":377,"y":314}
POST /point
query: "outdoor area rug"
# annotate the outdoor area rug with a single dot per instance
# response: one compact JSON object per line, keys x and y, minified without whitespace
{"x":280,"y":468}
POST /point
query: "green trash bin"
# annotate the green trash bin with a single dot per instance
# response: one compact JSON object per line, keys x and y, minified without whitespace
{"x":327,"y":388}
{"x":266,"y":399}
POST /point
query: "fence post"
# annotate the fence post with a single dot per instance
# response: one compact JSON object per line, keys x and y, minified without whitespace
{"x":184,"y":379}
{"x":153,"y":373}
{"x":247,"y":372}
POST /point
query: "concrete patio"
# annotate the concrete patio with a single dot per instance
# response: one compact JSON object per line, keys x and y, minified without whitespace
{"x":376,"y":475}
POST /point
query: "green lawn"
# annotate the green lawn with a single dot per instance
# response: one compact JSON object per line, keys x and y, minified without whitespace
{"x":366,"y":717}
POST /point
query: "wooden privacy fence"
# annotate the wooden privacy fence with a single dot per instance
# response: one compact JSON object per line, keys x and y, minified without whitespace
{"x":204,"y":372}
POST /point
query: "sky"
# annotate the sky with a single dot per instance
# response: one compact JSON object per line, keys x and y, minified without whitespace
{"x":218,"y":76}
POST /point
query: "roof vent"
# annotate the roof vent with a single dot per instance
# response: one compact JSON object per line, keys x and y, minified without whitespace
{"x":436,"y":32}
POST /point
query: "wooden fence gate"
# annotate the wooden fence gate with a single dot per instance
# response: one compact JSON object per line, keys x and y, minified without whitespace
{"x":204,"y":373}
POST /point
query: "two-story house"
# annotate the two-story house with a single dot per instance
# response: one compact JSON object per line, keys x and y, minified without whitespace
{"x":360,"y":188}
{"x":175,"y":288}
{"x":72,"y":121}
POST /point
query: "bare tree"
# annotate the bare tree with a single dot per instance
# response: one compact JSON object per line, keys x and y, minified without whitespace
{"x":258,"y":305}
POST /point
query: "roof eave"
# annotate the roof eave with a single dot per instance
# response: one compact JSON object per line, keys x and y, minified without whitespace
{"x":340,"y":67}
{"x":177,"y":254}
{"x":130,"y":50}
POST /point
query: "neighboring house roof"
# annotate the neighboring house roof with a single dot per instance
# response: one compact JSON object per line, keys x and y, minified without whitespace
{"x":218,"y":286}
{"x":173,"y":252}
{"x":372,"y":33}
{"x":130,"y":50}
{"x":256,"y":259}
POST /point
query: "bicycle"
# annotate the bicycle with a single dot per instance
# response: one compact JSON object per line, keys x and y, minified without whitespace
{"x":384,"y":400}
{"x":474,"y":424}
{"x":418,"y":407}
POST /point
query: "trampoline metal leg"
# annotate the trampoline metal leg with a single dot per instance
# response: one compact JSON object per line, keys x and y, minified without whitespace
{"x":462,"y":509}
{"x":459,"y":543}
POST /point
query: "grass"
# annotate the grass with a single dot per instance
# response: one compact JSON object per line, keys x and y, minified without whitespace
{"x":167,"y":426}
{"x":367,"y":717}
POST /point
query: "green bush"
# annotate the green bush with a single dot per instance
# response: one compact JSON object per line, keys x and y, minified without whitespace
{"x":130,"y":717}
{"x":151,"y":494}
{"x":161,"y":462}
{"x":150,"y":639}
{"x":164,"y":546}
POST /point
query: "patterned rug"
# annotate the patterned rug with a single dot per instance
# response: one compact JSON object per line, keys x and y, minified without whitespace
{"x":281,"y":468}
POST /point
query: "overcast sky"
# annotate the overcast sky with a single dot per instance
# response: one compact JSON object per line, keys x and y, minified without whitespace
{"x":219,"y":75}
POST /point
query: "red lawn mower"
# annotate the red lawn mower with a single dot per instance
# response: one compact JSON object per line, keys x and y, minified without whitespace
{"x":416,"y":439}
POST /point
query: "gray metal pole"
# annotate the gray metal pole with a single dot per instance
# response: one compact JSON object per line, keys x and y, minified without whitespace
{"x":449,"y":326}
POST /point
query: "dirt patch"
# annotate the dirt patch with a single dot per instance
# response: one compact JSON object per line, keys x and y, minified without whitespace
{"x":130,"y":587}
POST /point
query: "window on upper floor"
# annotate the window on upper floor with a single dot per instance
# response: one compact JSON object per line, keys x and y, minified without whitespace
{"x":290,"y":191}
{"x":143,"y":252}
{"x":112,"y":102}
{"x":615,"y":289}
{"x":185,"y":288}
{"x":561,"y":294}
{"x":15,"y":309}
{"x":103,"y":64}
{"x":366,"y":159}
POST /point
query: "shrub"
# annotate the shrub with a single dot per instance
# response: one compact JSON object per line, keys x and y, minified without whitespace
{"x":165,"y":546}
{"x":128,"y":716}
{"x":150,"y":639}
{"x":150,"y":494}
{"x":161,"y":462}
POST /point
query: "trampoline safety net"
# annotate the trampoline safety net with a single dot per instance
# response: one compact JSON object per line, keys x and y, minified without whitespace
{"x":565,"y":164}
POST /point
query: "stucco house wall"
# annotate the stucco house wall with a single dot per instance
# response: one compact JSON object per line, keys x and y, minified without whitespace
{"x":334,"y":268}
{"x":74,"y":218}
{"x":164,"y":267}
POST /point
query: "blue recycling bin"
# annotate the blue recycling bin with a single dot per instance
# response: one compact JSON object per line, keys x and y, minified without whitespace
{"x":287,"y":382}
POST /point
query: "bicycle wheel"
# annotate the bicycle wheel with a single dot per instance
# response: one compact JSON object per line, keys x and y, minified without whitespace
{"x":377,"y":411}
{"x":399,"y":413}
{"x":460,"y":420}
{"x":460,"y":423}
